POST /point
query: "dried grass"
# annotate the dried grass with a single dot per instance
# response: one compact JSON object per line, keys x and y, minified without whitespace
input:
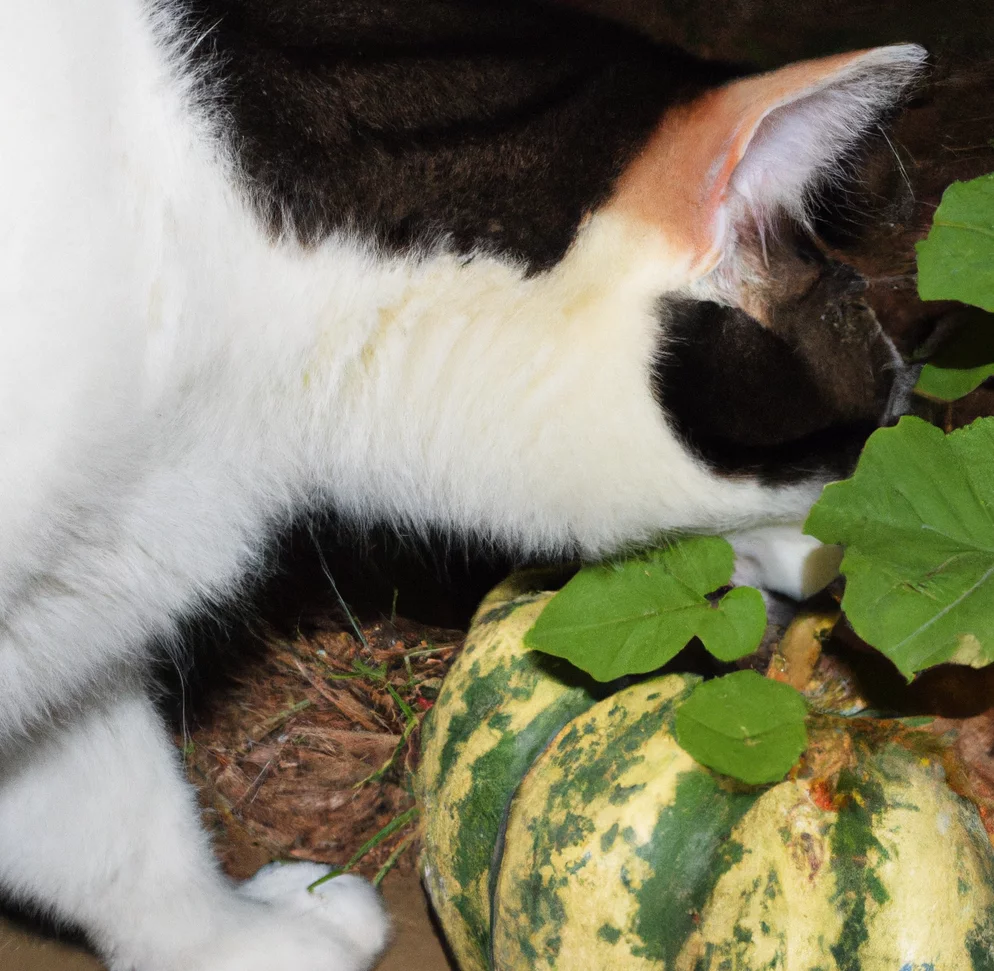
{"x":308,"y":753}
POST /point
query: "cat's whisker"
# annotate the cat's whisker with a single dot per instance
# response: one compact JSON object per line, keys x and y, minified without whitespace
{"x":897,"y":159}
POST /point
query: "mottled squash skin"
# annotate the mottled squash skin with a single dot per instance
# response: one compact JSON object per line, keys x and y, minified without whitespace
{"x":569,"y":831}
{"x":498,"y":708}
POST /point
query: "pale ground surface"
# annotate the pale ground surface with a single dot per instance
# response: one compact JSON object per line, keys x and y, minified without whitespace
{"x":415,"y":945}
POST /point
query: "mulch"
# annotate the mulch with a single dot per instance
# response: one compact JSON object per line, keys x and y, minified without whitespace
{"x":308,"y":752}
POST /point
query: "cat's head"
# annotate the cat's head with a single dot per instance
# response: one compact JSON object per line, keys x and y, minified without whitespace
{"x":770,"y":362}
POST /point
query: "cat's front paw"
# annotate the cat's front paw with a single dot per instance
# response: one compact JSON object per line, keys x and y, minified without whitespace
{"x":340,"y":926}
{"x":784,"y":560}
{"x":346,"y":903}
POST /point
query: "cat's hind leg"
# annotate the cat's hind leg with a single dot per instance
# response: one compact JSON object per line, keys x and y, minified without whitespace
{"x":98,"y":827}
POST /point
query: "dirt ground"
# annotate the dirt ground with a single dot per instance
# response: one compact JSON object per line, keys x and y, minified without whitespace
{"x":301,"y":730}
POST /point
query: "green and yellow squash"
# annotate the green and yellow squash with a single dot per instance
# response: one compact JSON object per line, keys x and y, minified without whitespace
{"x":564,"y":828}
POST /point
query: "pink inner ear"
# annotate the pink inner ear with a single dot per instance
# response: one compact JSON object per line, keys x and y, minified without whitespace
{"x":680,"y":181}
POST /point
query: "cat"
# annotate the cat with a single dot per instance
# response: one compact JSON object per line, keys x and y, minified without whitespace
{"x":497,"y":268}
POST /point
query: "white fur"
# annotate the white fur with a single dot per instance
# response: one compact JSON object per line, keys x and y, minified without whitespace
{"x":96,"y":822}
{"x":783,"y":559}
{"x":174,"y":383}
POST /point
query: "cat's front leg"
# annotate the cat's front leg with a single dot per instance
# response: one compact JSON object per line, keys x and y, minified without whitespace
{"x":98,"y":827}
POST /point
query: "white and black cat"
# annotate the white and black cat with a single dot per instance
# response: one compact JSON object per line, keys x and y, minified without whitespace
{"x":479,"y":265}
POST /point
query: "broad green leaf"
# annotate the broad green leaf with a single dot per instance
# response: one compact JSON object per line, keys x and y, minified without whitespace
{"x":633,"y":616}
{"x":964,"y":363}
{"x":917,"y":523}
{"x":956,"y":261}
{"x":744,"y":725}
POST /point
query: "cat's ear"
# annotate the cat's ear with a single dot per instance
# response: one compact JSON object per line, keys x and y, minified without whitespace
{"x":759,"y":146}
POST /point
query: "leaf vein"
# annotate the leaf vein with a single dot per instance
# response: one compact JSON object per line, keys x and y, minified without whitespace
{"x":945,"y":610}
{"x":981,"y":230}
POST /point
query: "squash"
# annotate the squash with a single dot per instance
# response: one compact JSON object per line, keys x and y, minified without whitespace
{"x":564,"y":828}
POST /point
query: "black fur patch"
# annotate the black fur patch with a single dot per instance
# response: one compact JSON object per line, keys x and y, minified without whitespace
{"x":499,"y":123}
{"x":795,"y":398}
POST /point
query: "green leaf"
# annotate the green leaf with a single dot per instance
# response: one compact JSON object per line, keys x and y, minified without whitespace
{"x":632,"y":616}
{"x":955,"y":262}
{"x":744,"y":725}
{"x":964,"y":363}
{"x":917,"y":523}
